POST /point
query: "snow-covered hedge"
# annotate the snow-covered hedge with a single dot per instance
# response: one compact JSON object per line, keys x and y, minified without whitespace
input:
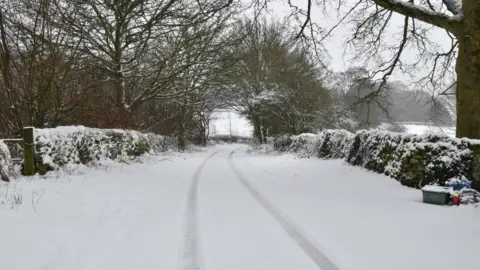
{"x":282,"y":143}
{"x":80,"y":145}
{"x":413,"y":160}
{"x":335,"y":143}
{"x":305,"y":145}
{"x":5,"y":160}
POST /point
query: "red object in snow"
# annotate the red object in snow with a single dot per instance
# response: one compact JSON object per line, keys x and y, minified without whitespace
{"x":456,"y":199}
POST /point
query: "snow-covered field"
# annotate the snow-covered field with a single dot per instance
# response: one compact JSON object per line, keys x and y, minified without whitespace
{"x":421,"y":129}
{"x":225,"y":209}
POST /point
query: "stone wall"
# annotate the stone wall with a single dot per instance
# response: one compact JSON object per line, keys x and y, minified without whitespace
{"x":413,"y":160}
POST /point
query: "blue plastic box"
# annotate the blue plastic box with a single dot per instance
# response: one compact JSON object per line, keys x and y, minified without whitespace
{"x":459,"y":186}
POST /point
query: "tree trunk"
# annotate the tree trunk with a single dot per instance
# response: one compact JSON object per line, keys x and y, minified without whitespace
{"x":182,"y":144}
{"x":468,"y":73}
{"x":206,"y":130}
{"x":125,"y":117}
{"x":264,"y":133}
{"x":180,"y":129}
{"x":203,"y":134}
{"x":257,"y":128}
{"x":204,"y":140}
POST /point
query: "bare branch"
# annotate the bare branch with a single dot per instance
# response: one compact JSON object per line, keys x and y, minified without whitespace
{"x":450,"y":23}
{"x":307,"y":18}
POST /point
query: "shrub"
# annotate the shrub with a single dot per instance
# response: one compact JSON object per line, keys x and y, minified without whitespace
{"x":5,"y":161}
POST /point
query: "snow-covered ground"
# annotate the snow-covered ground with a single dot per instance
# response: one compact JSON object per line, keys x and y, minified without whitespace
{"x":225,"y":209}
{"x":230,"y":123}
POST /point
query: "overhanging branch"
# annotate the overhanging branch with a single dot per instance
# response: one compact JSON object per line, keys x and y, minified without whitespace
{"x":449,"y":23}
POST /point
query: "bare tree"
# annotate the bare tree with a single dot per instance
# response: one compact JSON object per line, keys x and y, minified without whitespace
{"x":119,"y":33}
{"x":371,"y":20}
{"x":5,"y":68}
{"x":195,"y":57}
{"x":275,"y":84}
{"x":38,"y":72}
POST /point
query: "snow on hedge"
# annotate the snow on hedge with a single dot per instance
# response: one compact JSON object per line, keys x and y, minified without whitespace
{"x":335,"y":143}
{"x":80,"y":145}
{"x":282,"y":143}
{"x":5,"y":160}
{"x":413,"y":160}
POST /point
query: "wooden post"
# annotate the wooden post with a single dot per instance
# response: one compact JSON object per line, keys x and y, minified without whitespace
{"x":28,"y":151}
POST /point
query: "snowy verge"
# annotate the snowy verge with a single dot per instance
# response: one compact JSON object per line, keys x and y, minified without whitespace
{"x":62,"y":146}
{"x":413,"y":160}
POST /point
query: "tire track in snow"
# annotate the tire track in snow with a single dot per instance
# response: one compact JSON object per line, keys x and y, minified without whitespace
{"x":292,"y":230}
{"x":192,"y":255}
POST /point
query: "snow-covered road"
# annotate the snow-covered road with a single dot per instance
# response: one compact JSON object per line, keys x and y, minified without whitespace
{"x":224,"y":209}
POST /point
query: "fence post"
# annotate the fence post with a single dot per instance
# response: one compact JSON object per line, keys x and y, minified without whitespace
{"x":28,"y":151}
